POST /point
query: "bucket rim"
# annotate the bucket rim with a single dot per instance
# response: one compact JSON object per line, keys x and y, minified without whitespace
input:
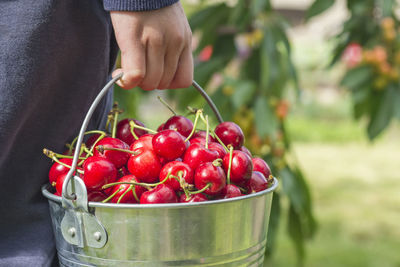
{"x":50,"y":196}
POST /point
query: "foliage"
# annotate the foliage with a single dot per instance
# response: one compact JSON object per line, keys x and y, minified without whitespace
{"x":369,"y":43}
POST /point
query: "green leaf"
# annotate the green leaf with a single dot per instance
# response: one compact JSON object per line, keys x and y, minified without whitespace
{"x":269,"y":60}
{"x":296,"y":232}
{"x":357,"y":77}
{"x":274,"y":220}
{"x":318,"y":7}
{"x":295,"y":187}
{"x":382,"y":114}
{"x":259,"y":6}
{"x":265,"y":119}
{"x":396,"y":102}
{"x":244,"y":91}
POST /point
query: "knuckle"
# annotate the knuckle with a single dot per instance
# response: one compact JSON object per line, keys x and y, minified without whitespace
{"x":157,"y":40}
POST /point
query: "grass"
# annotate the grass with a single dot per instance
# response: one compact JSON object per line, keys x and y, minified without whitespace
{"x":355,"y":186}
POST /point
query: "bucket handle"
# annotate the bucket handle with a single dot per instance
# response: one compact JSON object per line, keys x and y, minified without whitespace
{"x":72,"y":196}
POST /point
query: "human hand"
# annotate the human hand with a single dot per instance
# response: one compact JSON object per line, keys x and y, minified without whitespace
{"x":155,"y":48}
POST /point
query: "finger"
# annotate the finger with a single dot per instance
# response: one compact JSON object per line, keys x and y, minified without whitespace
{"x":170,"y":64}
{"x":133,"y":62}
{"x":184,"y":73}
{"x":155,"y":53}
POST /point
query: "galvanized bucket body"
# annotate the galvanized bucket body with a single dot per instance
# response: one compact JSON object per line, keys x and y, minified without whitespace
{"x":229,"y":232}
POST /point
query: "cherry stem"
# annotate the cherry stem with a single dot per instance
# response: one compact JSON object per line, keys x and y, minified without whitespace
{"x":123,"y":194}
{"x":201,"y":190}
{"x":112,"y":195}
{"x":88,"y":132}
{"x":101,"y":149}
{"x":85,"y":149}
{"x":134,"y":194}
{"x":217,"y":162}
{"x":166,"y":105}
{"x":132,"y":128}
{"x":183,"y":184}
{"x":114,"y":130}
{"x":228,"y":175}
{"x":93,"y":146}
{"x":52,"y":154}
{"x":219,"y":141}
{"x":198,"y":114}
{"x":146,"y":185}
{"x":134,"y":125}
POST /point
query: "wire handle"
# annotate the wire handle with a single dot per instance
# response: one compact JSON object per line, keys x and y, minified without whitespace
{"x":108,"y":86}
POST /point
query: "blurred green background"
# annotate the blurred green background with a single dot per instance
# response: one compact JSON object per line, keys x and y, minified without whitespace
{"x":354,"y":182}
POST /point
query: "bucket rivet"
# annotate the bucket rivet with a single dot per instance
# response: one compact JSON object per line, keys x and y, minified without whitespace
{"x":72,"y":231}
{"x":97,"y":236}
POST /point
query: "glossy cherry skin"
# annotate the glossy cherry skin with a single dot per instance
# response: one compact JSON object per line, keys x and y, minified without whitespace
{"x":179,"y":123}
{"x":213,"y":146}
{"x":230,"y":134}
{"x":257,"y":182}
{"x":96,"y":196}
{"x":193,"y":198}
{"x":58,"y":169}
{"x":241,"y":168}
{"x":124,"y":131}
{"x":60,"y":182}
{"x":145,"y":165}
{"x":91,"y":140}
{"x":98,"y":171}
{"x":118,"y":158}
{"x":231,"y":191}
{"x":176,"y":167}
{"x":129,"y":197}
{"x":203,"y":134}
{"x":199,"y":140}
{"x":169,"y":144}
{"x":143,"y":141}
{"x":160,"y":194}
{"x":245,"y":150}
{"x":261,"y":166}
{"x":208,"y":173}
{"x":197,"y":154}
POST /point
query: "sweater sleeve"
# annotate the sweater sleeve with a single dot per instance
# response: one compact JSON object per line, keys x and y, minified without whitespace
{"x":136,"y":5}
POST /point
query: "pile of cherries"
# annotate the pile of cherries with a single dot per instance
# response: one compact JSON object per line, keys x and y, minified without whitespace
{"x":176,"y":163}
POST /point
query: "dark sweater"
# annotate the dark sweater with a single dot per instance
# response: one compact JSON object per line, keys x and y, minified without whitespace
{"x":54,"y":58}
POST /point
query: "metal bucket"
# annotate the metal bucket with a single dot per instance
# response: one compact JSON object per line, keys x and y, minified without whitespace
{"x":228,"y":232}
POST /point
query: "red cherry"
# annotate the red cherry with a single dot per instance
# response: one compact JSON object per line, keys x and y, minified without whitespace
{"x":92,"y":139}
{"x":231,"y":191}
{"x":58,"y":169}
{"x":257,"y":182}
{"x":145,"y":165}
{"x":174,"y":168}
{"x":245,"y":150}
{"x":199,"y":140}
{"x":60,"y":182}
{"x":98,"y":172}
{"x":161,"y":127}
{"x":261,"y":166}
{"x":241,"y":168}
{"x":208,"y":173}
{"x":179,"y":123}
{"x":160,"y":194}
{"x":217,"y":148}
{"x":169,"y":144}
{"x":124,"y":131}
{"x":197,"y":154}
{"x":129,"y":197}
{"x":230,"y":134}
{"x":118,"y":158}
{"x":203,"y":134}
{"x":96,"y":196}
{"x":193,"y":198}
{"x":143,"y":141}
